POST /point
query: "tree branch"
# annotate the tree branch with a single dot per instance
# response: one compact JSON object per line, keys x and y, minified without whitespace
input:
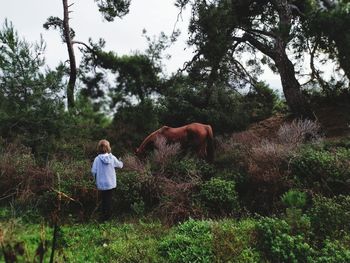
{"x":260,"y":46}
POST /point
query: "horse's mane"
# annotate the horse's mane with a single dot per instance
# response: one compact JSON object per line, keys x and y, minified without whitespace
{"x":148,"y":139}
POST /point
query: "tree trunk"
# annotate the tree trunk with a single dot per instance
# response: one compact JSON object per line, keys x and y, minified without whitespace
{"x":343,"y":55}
{"x":72,"y":63}
{"x":291,"y":87}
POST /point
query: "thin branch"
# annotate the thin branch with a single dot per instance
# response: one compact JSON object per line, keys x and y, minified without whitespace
{"x":84,"y":44}
{"x":263,"y":32}
{"x":260,"y":46}
{"x":188,"y":64}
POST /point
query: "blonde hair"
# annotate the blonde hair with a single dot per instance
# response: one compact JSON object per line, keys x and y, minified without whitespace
{"x":104,"y":147}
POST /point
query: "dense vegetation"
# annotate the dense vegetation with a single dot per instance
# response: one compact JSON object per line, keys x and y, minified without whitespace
{"x":276,"y":192}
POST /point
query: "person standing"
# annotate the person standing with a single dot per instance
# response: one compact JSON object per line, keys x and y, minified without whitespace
{"x":103,"y":171}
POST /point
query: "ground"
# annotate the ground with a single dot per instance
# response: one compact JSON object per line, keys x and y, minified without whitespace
{"x":334,"y":121}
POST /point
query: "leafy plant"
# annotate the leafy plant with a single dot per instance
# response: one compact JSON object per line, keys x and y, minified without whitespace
{"x":219,"y":196}
{"x":189,"y":242}
{"x":330,"y":217}
{"x":322,"y":170}
{"x":278,"y":244}
{"x":294,"y":199}
{"x":235,"y":241}
{"x":333,"y":252}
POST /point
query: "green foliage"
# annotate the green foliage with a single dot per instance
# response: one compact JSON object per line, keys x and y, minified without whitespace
{"x":278,"y":244}
{"x":329,"y":32}
{"x":132,"y":124}
{"x":113,"y":8}
{"x":30,"y":107}
{"x":260,"y":102}
{"x":294,"y":199}
{"x":135,"y":77}
{"x":187,"y":168}
{"x":333,"y":252}
{"x":322,"y":170}
{"x":90,"y":242}
{"x":296,"y":202}
{"x":247,"y":240}
{"x":191,"y":241}
{"x":330,"y":216}
{"x":57,"y":23}
{"x":185,"y":102}
{"x":128,"y":192}
{"x":235,"y":241}
{"x":219,"y":196}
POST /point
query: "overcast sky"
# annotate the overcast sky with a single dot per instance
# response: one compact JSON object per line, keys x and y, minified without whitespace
{"x":122,"y":36}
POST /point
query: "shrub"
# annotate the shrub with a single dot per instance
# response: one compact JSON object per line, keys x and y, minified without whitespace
{"x":176,"y":200}
{"x":330,"y":217}
{"x":134,"y":164}
{"x":294,"y":199}
{"x":219,"y":196}
{"x":20,"y":176}
{"x":235,"y":241}
{"x":323,"y":171}
{"x":278,"y":244}
{"x":268,"y":176}
{"x":333,"y":252}
{"x":296,"y":202}
{"x":76,"y":182}
{"x":231,"y":154}
{"x":188,"y":169}
{"x":299,"y":131}
{"x":191,"y":241}
{"x":164,"y":152}
{"x":128,"y":191}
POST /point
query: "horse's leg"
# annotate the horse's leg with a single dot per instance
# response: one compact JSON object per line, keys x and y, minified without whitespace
{"x":202,"y":148}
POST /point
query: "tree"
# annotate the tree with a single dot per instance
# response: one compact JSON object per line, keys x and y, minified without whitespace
{"x":327,"y":27}
{"x":267,"y":26}
{"x":30,"y":101}
{"x":109,"y":8}
{"x":135,"y":76}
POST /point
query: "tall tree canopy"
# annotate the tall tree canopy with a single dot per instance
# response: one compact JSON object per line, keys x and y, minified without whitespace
{"x":126,"y":79}
{"x":222,"y":29}
{"x":327,"y":28}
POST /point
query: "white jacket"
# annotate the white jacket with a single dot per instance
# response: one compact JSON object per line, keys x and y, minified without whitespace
{"x":103,"y":170}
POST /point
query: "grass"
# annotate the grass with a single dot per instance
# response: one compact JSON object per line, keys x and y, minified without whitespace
{"x":88,"y":242}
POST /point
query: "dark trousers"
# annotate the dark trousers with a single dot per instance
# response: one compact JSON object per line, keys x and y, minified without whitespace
{"x":106,"y":203}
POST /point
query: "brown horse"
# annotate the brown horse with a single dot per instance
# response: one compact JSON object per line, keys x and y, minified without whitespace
{"x":197,"y":135}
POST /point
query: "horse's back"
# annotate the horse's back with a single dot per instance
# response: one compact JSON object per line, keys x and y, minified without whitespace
{"x":199,"y":128}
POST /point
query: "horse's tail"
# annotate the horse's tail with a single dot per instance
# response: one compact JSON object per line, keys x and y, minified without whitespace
{"x":210,"y":144}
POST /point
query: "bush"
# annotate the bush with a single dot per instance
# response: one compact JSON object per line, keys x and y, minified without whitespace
{"x":330,"y":217}
{"x":323,"y":171}
{"x":128,"y":192}
{"x":191,"y":241}
{"x":219,"y":196}
{"x":296,"y":202}
{"x":278,"y":244}
{"x":188,"y":169}
{"x":20,"y":176}
{"x":231,"y":154}
{"x":298,"y":132}
{"x":294,"y":199}
{"x":235,"y":241}
{"x":76,"y":182}
{"x":333,"y":252}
